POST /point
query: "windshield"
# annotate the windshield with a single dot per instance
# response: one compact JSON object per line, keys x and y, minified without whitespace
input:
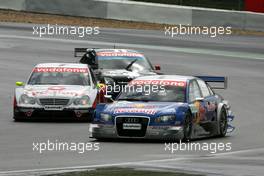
{"x":56,"y":77}
{"x":122,"y":60}
{"x":159,"y":93}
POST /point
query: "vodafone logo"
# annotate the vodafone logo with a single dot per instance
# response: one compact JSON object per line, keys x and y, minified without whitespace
{"x":127,"y":54}
{"x":159,"y":82}
{"x":60,"y":69}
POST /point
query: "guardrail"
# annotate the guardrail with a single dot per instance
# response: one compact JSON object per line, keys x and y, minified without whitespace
{"x":139,"y":11}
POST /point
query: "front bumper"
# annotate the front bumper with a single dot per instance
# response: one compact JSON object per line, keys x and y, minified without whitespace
{"x":27,"y":112}
{"x":152,"y":132}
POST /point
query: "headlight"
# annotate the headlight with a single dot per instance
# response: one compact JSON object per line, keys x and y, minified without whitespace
{"x":165,"y":118}
{"x":25,"y":99}
{"x":106,"y":117}
{"x":85,"y":100}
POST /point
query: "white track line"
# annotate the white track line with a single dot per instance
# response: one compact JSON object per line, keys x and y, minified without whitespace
{"x":238,"y":152}
{"x":86,"y":167}
{"x":122,"y":163}
{"x":245,"y":55}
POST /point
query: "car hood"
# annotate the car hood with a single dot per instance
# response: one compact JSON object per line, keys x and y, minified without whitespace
{"x":124,"y":73}
{"x":142,"y":108}
{"x":56,"y":90}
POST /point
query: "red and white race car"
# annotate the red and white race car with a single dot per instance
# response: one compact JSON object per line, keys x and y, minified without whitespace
{"x":57,"y":90}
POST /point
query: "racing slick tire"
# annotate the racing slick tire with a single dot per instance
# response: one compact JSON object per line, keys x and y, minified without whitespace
{"x":222,"y":123}
{"x":187,"y":127}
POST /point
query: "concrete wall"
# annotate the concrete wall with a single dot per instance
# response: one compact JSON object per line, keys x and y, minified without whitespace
{"x":12,"y":4}
{"x":254,"y":22}
{"x":139,"y":11}
{"x":219,"y":18}
{"x":86,"y":8}
{"x":149,"y":12}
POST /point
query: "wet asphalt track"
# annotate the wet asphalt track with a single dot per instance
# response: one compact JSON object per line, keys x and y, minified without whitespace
{"x":239,"y":58}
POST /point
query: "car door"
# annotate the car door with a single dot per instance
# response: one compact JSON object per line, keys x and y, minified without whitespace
{"x":196,"y":102}
{"x":210,"y":101}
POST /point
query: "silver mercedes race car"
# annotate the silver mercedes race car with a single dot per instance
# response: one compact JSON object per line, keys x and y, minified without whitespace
{"x":57,"y":90}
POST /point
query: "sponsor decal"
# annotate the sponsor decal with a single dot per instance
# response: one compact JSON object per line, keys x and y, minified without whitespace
{"x":132,"y":126}
{"x":160,"y":127}
{"x":127,"y":105}
{"x":139,"y":105}
{"x":126,"y":54}
{"x":200,"y":115}
{"x":136,"y":110}
{"x":56,"y":91}
{"x":53,"y":108}
{"x":58,"y":88}
{"x":60,"y":69}
{"x":159,"y":82}
{"x":143,"y":106}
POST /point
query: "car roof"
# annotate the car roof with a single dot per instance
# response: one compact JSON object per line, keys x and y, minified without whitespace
{"x":63,"y":65}
{"x":167,"y":77}
{"x":117,"y":50}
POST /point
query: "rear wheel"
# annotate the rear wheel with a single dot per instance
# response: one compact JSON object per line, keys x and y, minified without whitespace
{"x":222,"y":124}
{"x":187,"y":127}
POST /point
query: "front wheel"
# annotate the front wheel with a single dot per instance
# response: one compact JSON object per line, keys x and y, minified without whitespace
{"x":222,"y":124}
{"x":187,"y":127}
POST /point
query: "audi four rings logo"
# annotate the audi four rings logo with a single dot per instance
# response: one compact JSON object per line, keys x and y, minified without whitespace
{"x":131,"y":120}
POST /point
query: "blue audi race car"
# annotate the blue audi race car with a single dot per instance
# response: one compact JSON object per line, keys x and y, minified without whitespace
{"x":165,"y":107}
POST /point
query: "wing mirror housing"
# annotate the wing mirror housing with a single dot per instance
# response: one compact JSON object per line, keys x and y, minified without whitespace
{"x":20,"y":83}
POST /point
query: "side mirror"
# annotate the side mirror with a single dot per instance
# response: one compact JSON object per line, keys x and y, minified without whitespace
{"x":100,"y":85}
{"x":19,"y":83}
{"x":157,"y":67}
{"x":199,"y":99}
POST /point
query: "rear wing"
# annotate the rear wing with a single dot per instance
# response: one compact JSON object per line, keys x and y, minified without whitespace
{"x":79,"y":52}
{"x":215,"y":82}
{"x":88,"y":56}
